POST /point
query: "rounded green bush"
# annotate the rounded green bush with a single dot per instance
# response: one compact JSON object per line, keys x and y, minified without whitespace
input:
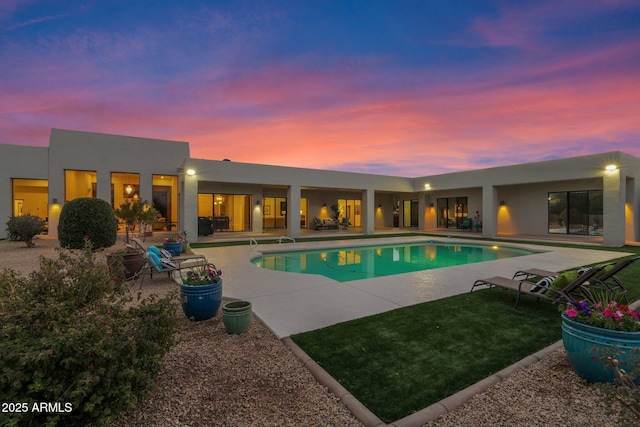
{"x":87,"y":217}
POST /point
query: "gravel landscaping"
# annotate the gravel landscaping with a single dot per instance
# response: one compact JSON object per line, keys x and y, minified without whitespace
{"x":211,"y":378}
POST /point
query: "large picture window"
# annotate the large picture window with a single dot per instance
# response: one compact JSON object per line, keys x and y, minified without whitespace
{"x":576,"y":212}
{"x":228,"y":212}
{"x":79,"y":184}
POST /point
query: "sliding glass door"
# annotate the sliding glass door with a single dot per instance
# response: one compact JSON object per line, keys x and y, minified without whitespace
{"x":575,"y":212}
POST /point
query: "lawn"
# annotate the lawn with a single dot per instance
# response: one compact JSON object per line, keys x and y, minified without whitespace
{"x":401,"y":361}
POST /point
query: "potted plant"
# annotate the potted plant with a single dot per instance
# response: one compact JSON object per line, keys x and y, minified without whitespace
{"x":236,"y":316}
{"x":593,"y":331}
{"x":201,"y":292}
{"x":173,"y":245}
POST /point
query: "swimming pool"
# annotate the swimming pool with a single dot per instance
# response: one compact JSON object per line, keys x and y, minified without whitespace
{"x":366,"y":262}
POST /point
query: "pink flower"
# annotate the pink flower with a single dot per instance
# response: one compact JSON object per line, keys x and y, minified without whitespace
{"x":607,"y":312}
{"x":571,"y":312}
{"x":618,"y":315}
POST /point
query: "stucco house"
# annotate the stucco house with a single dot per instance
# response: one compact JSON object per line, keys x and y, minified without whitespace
{"x":593,"y":195}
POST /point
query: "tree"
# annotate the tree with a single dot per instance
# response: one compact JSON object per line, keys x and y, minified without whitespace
{"x":136,"y":213}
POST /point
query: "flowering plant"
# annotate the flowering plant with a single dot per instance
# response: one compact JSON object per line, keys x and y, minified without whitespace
{"x":618,"y":317}
{"x":172,"y":239}
{"x":202,"y":275}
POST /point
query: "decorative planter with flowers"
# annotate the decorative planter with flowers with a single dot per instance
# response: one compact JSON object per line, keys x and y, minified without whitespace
{"x":592,"y":332}
{"x":173,"y":245}
{"x":201,"y":292}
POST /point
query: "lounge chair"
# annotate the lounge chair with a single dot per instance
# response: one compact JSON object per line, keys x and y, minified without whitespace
{"x":610,"y":282}
{"x":156,"y":261}
{"x":344,"y":224}
{"x":141,"y":247}
{"x":574,"y":289}
{"x":606,"y":278}
{"x":160,"y":260}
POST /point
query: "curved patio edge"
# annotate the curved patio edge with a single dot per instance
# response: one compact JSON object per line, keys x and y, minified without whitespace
{"x":422,"y":416}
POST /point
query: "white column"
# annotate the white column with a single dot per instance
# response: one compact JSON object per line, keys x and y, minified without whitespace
{"x":489,"y":212}
{"x":613,"y":200}
{"x":188,"y":202}
{"x":368,"y":212}
{"x":293,"y":210}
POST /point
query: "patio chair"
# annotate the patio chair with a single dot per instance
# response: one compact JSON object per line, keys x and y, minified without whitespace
{"x":606,"y":278}
{"x":156,"y":261}
{"x":141,"y":247}
{"x":610,"y":282}
{"x":572,"y":288}
{"x":466,"y":224}
{"x":344,"y":224}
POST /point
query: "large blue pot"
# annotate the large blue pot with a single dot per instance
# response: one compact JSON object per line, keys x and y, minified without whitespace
{"x":174,"y":247}
{"x":201,"y":302}
{"x":586,"y":345}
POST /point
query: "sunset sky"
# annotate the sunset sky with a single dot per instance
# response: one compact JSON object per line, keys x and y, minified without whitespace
{"x":407,"y":88}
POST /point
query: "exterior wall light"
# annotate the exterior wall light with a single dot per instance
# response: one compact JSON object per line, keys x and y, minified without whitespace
{"x":54,"y":201}
{"x":611,"y":168}
{"x":502,"y":203}
{"x":427,"y":187}
{"x":191,"y":172}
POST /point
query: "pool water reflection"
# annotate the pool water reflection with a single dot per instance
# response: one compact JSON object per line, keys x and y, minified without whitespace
{"x":366,"y":262}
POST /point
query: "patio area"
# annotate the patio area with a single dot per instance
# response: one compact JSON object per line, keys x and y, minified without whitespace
{"x":289,"y":303}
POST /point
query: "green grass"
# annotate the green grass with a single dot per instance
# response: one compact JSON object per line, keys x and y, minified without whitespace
{"x":401,"y":361}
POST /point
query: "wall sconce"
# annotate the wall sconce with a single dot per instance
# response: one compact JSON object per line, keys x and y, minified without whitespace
{"x":611,"y":168}
{"x":257,"y":202}
{"x":427,"y":186}
{"x":502,"y":203}
{"x":324,"y":206}
{"x":54,"y":201}
{"x":431,"y":204}
{"x":380,"y":206}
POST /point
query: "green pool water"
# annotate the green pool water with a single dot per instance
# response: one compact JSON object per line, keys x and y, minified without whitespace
{"x":366,"y":262}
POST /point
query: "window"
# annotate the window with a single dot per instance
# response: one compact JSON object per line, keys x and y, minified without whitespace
{"x":575,"y":212}
{"x":410,"y":213}
{"x":79,"y":184}
{"x":124,"y":187}
{"x":30,"y":196}
{"x":451,"y":211}
{"x":273,"y":216}
{"x":352,"y":210}
{"x":228,"y":212}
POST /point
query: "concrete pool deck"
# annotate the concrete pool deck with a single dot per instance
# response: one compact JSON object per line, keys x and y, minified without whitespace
{"x":290,"y":303}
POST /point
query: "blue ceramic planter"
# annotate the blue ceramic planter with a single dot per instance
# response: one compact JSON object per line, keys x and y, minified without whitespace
{"x":581,"y":340}
{"x":174,"y":247}
{"x":201,"y":302}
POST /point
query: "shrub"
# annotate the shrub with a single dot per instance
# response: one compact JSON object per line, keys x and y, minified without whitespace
{"x":87,"y":217}
{"x":24,"y":227}
{"x":136,"y":213}
{"x":71,"y":336}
